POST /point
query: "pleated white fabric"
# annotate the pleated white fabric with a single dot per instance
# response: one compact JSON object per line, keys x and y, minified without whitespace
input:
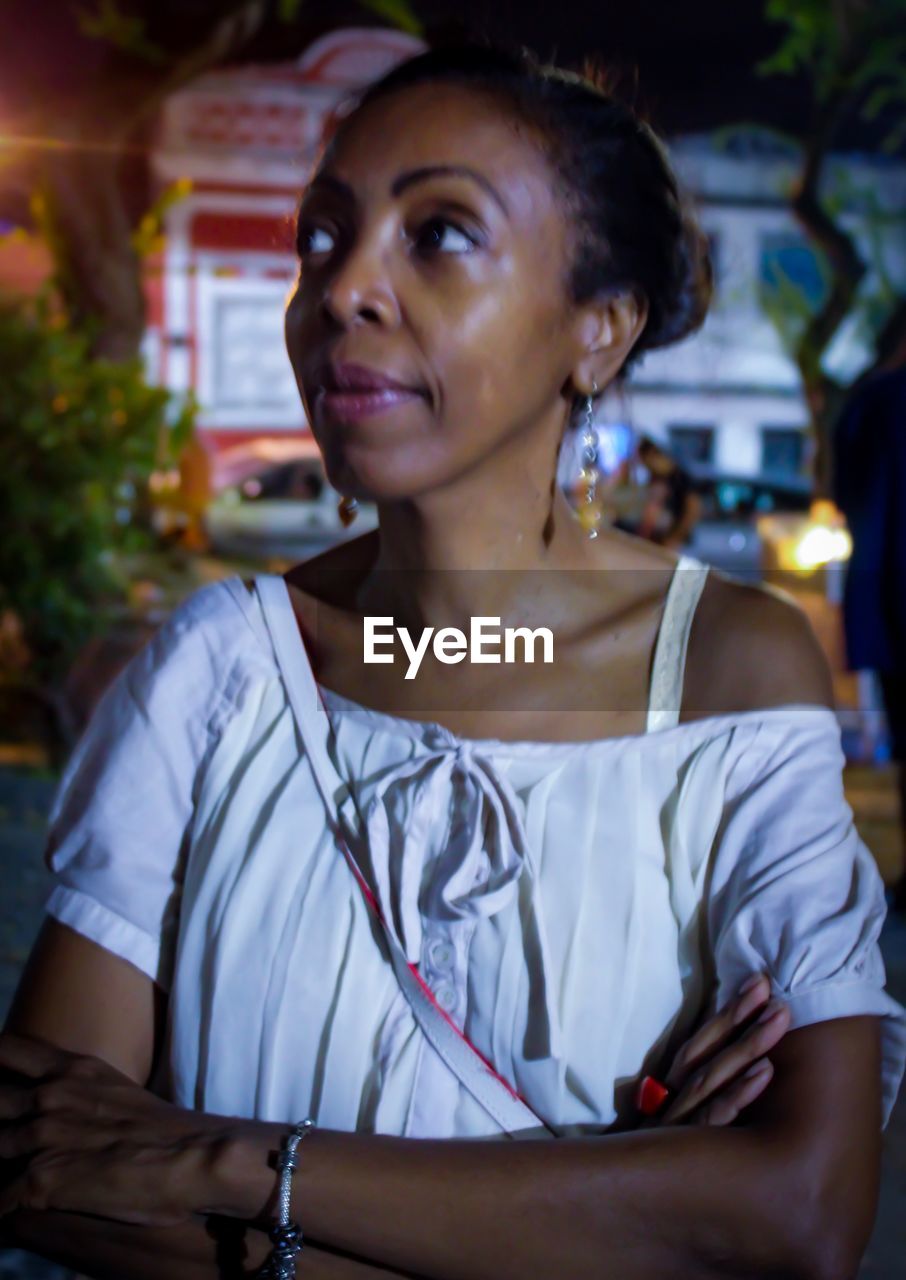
{"x":575,"y":907}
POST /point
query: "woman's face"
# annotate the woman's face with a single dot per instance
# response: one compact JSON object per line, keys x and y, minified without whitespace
{"x":434,"y":253}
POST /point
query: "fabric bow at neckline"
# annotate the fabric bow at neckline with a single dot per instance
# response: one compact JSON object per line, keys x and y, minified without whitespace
{"x":446,"y":839}
{"x":447,"y":843}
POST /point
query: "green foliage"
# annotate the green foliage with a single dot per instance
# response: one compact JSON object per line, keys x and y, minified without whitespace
{"x":148,"y":236}
{"x":397,"y":13}
{"x":812,"y":42}
{"x":107,"y":21}
{"x":854,"y":52}
{"x":78,"y":439}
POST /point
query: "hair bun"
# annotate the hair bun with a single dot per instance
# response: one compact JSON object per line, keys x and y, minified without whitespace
{"x":682,"y":305}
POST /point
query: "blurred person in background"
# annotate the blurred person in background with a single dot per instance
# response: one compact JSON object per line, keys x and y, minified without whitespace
{"x":870,"y":490}
{"x":672,"y":507}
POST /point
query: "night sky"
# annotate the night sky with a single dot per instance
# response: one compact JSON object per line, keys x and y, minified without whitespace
{"x":687,"y":65}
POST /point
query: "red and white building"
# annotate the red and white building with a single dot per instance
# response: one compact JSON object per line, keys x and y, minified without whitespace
{"x":242,"y":144}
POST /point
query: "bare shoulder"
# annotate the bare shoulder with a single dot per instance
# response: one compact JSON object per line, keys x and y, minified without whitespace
{"x":751,"y":647}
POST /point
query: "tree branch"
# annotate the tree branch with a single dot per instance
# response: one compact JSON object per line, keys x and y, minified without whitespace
{"x":230,"y":33}
{"x":85,"y":217}
{"x":837,"y":245}
{"x":87,"y":227}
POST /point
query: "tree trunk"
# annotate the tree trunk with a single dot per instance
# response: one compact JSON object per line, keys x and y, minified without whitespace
{"x":97,"y":269}
{"x":81,"y":203}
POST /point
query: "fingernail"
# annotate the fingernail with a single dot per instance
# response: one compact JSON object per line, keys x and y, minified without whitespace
{"x":771,"y":1010}
{"x":758,"y":1069}
{"x":750,"y":983}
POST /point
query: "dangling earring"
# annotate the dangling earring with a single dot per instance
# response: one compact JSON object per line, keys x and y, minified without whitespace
{"x":346,"y":510}
{"x":590,"y":507}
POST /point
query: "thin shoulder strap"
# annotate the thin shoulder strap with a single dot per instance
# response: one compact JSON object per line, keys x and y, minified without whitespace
{"x":669,"y":667}
{"x":310,"y":713}
{"x":498,"y":1098}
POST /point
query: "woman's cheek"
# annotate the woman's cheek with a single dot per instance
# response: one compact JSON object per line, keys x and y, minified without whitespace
{"x":292,"y":326}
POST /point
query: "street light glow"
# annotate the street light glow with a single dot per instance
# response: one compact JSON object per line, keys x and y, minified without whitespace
{"x":820,"y":545}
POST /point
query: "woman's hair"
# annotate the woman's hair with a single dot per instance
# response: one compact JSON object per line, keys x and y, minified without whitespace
{"x":635,"y":229}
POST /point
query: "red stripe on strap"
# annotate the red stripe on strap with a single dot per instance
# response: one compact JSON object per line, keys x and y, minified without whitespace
{"x":430,"y":994}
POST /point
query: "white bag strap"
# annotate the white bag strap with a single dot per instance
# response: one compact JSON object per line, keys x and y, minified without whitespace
{"x":497,"y":1097}
{"x":669,"y":667}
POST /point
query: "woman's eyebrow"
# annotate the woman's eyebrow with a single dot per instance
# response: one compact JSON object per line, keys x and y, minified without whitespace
{"x":408,"y":179}
{"x":412,"y":176}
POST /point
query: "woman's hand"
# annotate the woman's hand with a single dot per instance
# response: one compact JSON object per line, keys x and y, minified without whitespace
{"x":78,"y":1135}
{"x":722,"y":1068}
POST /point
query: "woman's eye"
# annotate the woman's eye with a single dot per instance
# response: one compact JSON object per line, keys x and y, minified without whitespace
{"x":314,"y":240}
{"x":437,"y":235}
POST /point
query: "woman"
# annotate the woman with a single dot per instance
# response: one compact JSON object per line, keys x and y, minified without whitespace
{"x":580,"y":860}
{"x":673,"y":508}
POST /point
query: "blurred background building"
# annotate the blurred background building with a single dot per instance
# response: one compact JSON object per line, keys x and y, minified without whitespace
{"x":729,"y":400}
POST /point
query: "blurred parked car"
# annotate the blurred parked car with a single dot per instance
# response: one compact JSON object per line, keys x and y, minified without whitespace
{"x":284,"y":510}
{"x":729,"y":531}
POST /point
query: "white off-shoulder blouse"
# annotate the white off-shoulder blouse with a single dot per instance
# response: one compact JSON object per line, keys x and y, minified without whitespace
{"x":575,"y":907}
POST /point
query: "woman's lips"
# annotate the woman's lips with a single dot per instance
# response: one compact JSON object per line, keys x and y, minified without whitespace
{"x":353,"y":405}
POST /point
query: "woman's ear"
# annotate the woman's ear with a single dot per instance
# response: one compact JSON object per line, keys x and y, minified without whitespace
{"x":608,"y":329}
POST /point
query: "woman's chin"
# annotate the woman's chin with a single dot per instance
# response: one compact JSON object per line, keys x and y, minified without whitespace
{"x":377,"y":476}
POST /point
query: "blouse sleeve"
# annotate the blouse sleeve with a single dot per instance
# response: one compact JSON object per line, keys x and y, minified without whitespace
{"x":121,"y":817}
{"x":796,"y":894}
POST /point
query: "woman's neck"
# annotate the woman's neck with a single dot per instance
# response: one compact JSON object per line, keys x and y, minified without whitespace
{"x":440,"y":562}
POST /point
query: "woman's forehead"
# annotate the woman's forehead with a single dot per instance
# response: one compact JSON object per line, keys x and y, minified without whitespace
{"x":442,"y":126}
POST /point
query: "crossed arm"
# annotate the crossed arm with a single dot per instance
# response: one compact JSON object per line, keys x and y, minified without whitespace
{"x":108,"y":1178}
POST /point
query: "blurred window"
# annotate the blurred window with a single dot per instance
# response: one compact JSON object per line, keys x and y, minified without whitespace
{"x":692,"y":444}
{"x":735,"y":497}
{"x":740,"y":498}
{"x":789,"y":265}
{"x":244,"y":375}
{"x":251,"y":369}
{"x":782,"y":451}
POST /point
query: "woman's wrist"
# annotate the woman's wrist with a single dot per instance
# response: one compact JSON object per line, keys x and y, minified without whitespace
{"x":240,"y":1176}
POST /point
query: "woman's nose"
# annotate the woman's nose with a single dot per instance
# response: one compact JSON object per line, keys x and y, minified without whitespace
{"x":360,"y":290}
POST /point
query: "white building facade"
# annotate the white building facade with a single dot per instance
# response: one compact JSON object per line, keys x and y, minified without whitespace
{"x":728,"y":400}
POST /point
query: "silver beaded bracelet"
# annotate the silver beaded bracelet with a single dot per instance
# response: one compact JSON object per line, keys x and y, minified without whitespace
{"x":285,"y":1235}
